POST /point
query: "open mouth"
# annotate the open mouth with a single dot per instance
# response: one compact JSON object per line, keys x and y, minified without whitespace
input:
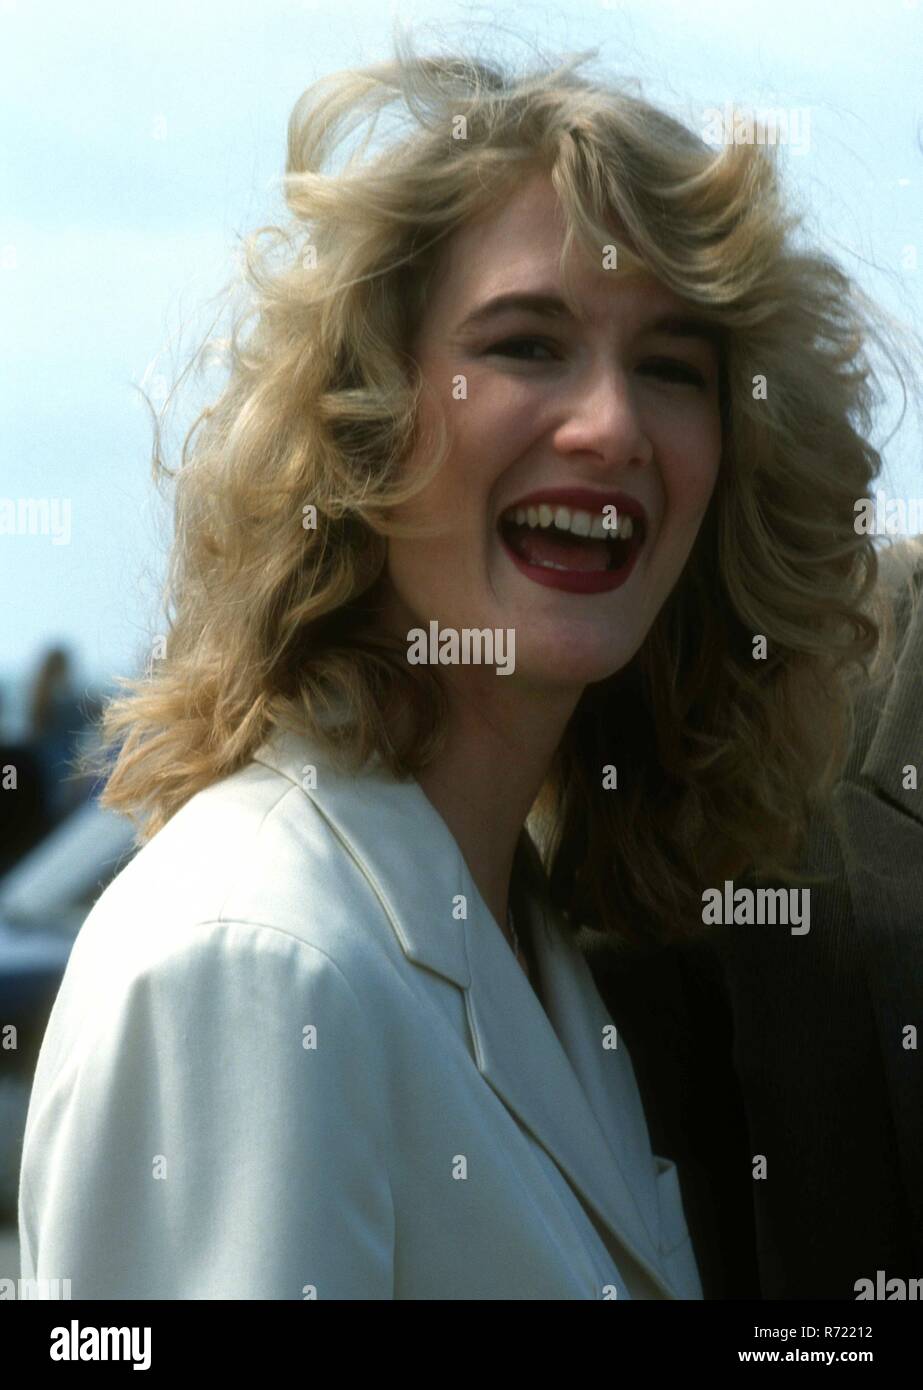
{"x":552,"y":547}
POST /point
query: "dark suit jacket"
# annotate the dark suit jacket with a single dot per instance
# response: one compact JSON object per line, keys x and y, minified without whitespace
{"x":760,"y":1042}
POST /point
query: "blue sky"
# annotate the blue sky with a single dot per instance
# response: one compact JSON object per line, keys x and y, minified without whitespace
{"x":139,"y":139}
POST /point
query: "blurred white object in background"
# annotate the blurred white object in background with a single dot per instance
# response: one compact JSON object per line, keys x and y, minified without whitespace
{"x":56,"y":883}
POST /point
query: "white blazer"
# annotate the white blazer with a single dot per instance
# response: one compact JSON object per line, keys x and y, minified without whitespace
{"x":282,"y":1065}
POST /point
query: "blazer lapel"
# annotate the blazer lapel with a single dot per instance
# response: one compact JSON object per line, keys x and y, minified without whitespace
{"x":549,"y":1068}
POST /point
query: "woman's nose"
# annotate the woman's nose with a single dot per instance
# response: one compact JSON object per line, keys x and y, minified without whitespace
{"x":602,"y":418}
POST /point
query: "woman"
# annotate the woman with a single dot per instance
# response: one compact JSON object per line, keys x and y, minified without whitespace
{"x":330,"y":1034}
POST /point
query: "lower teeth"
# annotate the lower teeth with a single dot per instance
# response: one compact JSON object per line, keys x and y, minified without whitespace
{"x":552,"y":565}
{"x":618,"y":556}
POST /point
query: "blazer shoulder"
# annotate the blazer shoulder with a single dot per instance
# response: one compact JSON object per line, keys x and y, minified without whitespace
{"x":242,"y":1060}
{"x":897,"y":607}
{"x":901,"y":583}
{"x":252,"y":849}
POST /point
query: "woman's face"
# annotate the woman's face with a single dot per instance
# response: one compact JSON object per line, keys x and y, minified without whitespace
{"x":606,"y":402}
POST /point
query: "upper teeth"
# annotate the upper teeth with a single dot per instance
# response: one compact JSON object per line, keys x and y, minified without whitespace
{"x":570,"y":519}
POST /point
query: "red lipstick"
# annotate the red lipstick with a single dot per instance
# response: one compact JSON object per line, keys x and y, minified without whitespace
{"x":580,"y":581}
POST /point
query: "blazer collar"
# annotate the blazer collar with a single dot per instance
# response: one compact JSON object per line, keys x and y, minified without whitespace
{"x":549,"y":1068}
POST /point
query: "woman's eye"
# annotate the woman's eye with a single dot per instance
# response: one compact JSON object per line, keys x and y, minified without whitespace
{"x":668,"y":367}
{"x":509,"y":347}
{"x":676,"y":371}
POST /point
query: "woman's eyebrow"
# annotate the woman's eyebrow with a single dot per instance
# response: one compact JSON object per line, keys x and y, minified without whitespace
{"x":687,"y":326}
{"x":549,"y":305}
{"x":675,"y":325}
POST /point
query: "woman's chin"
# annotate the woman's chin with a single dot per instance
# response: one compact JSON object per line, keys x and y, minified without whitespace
{"x":566,"y":669}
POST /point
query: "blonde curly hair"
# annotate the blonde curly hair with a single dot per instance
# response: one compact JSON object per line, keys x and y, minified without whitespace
{"x":271,"y":622}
